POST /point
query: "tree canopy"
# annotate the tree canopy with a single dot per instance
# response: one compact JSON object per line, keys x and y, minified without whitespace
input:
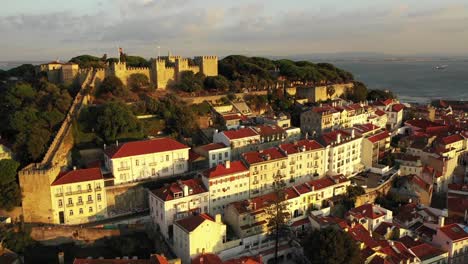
{"x":31,"y":114}
{"x":375,"y":95}
{"x":9,"y":191}
{"x":331,"y":246}
{"x":88,"y":61}
{"x":138,"y":81}
{"x":113,"y":85}
{"x":115,"y":119}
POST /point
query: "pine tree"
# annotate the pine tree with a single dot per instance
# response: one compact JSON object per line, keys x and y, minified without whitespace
{"x":277,"y":213}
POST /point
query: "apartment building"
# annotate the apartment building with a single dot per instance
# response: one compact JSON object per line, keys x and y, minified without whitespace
{"x":374,"y":148}
{"x":226,"y":184}
{"x":215,"y":153}
{"x":146,"y":159}
{"x":249,"y":217}
{"x":240,"y":141}
{"x":370,"y":215}
{"x":306,"y":160}
{"x":264,"y":166}
{"x":78,"y":196}
{"x":319,"y":119}
{"x":176,"y":201}
{"x":454,"y":239}
{"x":343,"y":149}
{"x":198,"y":234}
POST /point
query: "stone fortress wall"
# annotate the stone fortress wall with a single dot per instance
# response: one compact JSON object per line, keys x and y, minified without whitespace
{"x":162,"y":72}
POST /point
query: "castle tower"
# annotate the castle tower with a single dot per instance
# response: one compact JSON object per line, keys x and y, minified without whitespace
{"x":119,"y":70}
{"x":208,"y":65}
{"x":160,"y":74}
{"x":181,"y":65}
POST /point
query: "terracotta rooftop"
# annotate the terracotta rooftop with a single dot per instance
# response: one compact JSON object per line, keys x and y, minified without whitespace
{"x":426,"y":251}
{"x":410,"y":242}
{"x":154,"y":259}
{"x":80,"y":175}
{"x":368,"y":211}
{"x":452,"y":139}
{"x":240,"y":133}
{"x":263,"y":155}
{"x":397,"y":253}
{"x":361,"y":234}
{"x":398,"y":107}
{"x":332,"y":137}
{"x":192,"y":222}
{"x":222,"y":170}
{"x":207,"y":258}
{"x":379,"y":136}
{"x":364,"y":128}
{"x":268,"y":130}
{"x":245,"y":260}
{"x":212,"y":146}
{"x":454,"y":232}
{"x":143,"y":147}
{"x":302,"y":145}
{"x":379,"y":112}
{"x":174,"y":189}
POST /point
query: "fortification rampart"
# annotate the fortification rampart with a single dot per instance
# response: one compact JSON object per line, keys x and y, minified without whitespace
{"x":35,"y":179}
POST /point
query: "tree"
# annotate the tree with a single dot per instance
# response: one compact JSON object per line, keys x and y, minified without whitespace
{"x":138,"y":81}
{"x":216,"y":82}
{"x":115,"y":119}
{"x":331,"y":246}
{"x":112,"y":84}
{"x":9,"y":191}
{"x":375,"y":95}
{"x":8,"y":168}
{"x":277,"y":213}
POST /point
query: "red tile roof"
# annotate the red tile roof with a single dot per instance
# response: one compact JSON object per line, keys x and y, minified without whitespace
{"x":397,"y":253}
{"x":454,"y":232}
{"x":457,"y":205}
{"x":301,"y":222}
{"x":192,"y":222}
{"x":143,"y":147}
{"x":168,"y":192}
{"x":458,"y":187}
{"x":212,"y":146}
{"x":379,"y":112}
{"x":328,"y":138}
{"x":268,"y":130}
{"x":263,"y":155}
{"x":426,"y":251}
{"x":207,"y":258}
{"x":398,"y":107}
{"x":245,"y":260}
{"x":410,"y":242}
{"x":80,"y":175}
{"x":378,"y":137}
{"x":364,"y":128}
{"x":368,"y":211}
{"x":305,"y":144}
{"x":222,"y":170}
{"x":111,"y":261}
{"x":452,"y":139}
{"x":193,"y":156}
{"x":240,"y":133}
{"x":361,"y":234}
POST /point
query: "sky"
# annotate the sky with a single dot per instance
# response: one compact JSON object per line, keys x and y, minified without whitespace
{"x":58,"y":29}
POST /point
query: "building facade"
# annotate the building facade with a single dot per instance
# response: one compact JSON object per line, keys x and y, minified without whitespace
{"x":147,"y":159}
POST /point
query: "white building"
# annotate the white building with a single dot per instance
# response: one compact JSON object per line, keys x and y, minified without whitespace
{"x":454,"y":239}
{"x":139,"y":160}
{"x":227,"y":183}
{"x":176,"y":201}
{"x":370,"y":215}
{"x":216,"y":153}
{"x":198,"y":234}
{"x":241,"y":140}
{"x":343,"y":151}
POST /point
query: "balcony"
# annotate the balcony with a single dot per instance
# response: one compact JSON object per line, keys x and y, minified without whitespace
{"x":97,"y":189}
{"x":70,"y":205}
{"x":79,"y":203}
{"x":152,"y":164}
{"x":58,"y":194}
{"x":89,"y":201}
{"x":123,"y":169}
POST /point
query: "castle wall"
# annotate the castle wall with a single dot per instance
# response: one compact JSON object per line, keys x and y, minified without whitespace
{"x":208,"y":65}
{"x":125,"y":198}
{"x":319,"y":93}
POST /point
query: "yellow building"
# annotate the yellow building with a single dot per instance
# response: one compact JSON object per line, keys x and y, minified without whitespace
{"x":306,"y":160}
{"x":198,"y":234}
{"x":454,"y":239}
{"x":5,"y":151}
{"x":78,"y":196}
{"x":264,"y":166}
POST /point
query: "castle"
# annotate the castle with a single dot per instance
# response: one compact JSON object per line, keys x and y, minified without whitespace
{"x":162,"y":72}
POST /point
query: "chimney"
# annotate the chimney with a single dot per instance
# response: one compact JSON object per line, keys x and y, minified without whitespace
{"x":441,"y":221}
{"x":74,"y":168}
{"x":186,"y":190}
{"x":338,"y":138}
{"x":117,"y":143}
{"x":228,"y":164}
{"x":61,"y":257}
{"x":105,"y":145}
{"x":218,"y":218}
{"x":352,"y":133}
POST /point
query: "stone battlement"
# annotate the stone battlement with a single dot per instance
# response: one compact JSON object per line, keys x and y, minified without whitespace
{"x":138,"y":69}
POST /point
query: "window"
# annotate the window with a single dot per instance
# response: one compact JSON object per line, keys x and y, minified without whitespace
{"x":90,"y":209}
{"x":80,"y":199}
{"x":90,"y":198}
{"x":153,"y":171}
{"x":89,"y":187}
{"x":213,"y":156}
{"x":99,"y":197}
{"x":60,"y":203}
{"x":167,"y":157}
{"x":226,"y":154}
{"x":71,"y":212}
{"x":220,"y":156}
{"x":137,"y":162}
{"x":69,"y":190}
{"x":78,"y":188}
{"x":70,"y":201}
{"x":81,"y":210}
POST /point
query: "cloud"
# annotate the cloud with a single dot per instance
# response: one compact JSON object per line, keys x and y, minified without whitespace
{"x":189,"y":28}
